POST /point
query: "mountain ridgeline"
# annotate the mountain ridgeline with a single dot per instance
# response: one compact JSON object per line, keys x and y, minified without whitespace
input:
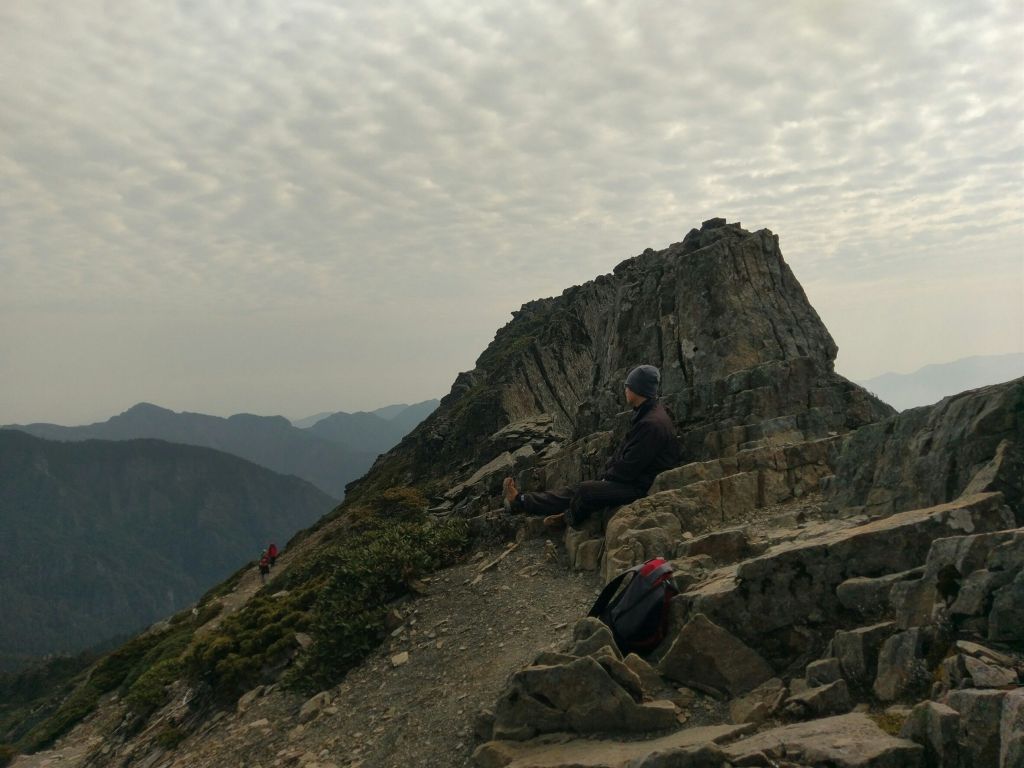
{"x":102,"y":538}
{"x":931,"y":383}
{"x":329,"y":454}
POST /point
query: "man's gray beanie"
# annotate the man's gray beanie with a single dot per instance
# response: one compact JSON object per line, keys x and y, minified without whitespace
{"x":644,"y":380}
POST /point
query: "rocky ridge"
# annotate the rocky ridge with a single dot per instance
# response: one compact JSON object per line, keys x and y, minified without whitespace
{"x":891,"y":629}
{"x":850,"y":580}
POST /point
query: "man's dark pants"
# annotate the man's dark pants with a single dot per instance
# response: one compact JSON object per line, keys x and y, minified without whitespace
{"x":579,"y":500}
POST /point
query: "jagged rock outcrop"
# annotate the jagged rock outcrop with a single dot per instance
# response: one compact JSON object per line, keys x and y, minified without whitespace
{"x":964,"y":444}
{"x":904,"y":593}
{"x":745,"y":362}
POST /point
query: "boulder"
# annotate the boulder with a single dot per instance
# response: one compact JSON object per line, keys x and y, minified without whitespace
{"x":935,"y":727}
{"x":577,"y":536}
{"x":725,"y":546}
{"x":759,"y":704}
{"x":980,"y":717}
{"x":703,"y":655}
{"x":590,"y":635}
{"x":856,"y":650}
{"x":1011,"y":730}
{"x":1006,"y":619}
{"x":649,"y":677}
{"x":314,"y":706}
{"x":901,"y":665}
{"x":1008,"y":556}
{"x":688,"y":748}
{"x":580,"y":697}
{"x":493,"y":472}
{"x":246,"y":700}
{"x":638,"y":532}
{"x":580,"y":460}
{"x":984,"y":653}
{"x":820,"y":701}
{"x":842,"y":741}
{"x":822,"y":672}
{"x":951,"y":673}
{"x":950,"y":568}
{"x":534,"y":432}
{"x":552,"y":659}
{"x":984,"y":675}
{"x":620,"y":673}
{"x":869,"y":597}
{"x":975,"y":594}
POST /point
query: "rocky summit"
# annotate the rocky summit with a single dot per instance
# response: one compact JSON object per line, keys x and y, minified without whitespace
{"x":850,"y":581}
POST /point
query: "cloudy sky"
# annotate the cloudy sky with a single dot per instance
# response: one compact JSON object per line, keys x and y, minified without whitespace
{"x":292,"y":207}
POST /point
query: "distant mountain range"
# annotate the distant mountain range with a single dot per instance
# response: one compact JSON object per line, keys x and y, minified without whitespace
{"x":399,"y":413}
{"x":376,"y":431}
{"x":933,"y":382}
{"x":101,"y":538}
{"x":329,"y":454}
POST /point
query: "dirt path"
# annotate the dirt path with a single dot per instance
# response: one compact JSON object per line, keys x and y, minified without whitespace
{"x":464,"y":638}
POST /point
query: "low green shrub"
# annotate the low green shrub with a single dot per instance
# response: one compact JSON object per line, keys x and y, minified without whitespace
{"x":120,"y":669}
{"x":169,"y":738}
{"x":207,"y":612}
{"x":30,"y":696}
{"x":257,"y":638}
{"x":337,"y":594}
{"x":366,"y":572}
{"x":149,"y":691}
{"x":7,"y":754}
{"x":72,"y":710}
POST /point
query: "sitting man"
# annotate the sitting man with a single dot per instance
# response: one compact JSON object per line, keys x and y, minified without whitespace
{"x":650,"y":447}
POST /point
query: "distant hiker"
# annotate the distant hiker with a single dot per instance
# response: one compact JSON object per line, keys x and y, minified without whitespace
{"x":649,"y":447}
{"x":264,"y":568}
{"x":272,"y":554}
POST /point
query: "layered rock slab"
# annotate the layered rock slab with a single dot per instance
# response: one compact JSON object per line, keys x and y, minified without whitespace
{"x":694,"y":745}
{"x":794,"y":583}
{"x":705,"y":656}
{"x":844,"y":741}
{"x":580,"y":696}
{"x":967,"y":443}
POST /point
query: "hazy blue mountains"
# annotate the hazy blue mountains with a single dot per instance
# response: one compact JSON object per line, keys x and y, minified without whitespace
{"x":270,"y":441}
{"x":102,"y":538}
{"x":933,"y":382}
{"x":377,"y":431}
{"x":336,"y":449}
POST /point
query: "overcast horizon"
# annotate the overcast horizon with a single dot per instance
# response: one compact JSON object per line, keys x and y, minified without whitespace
{"x":320,"y":206}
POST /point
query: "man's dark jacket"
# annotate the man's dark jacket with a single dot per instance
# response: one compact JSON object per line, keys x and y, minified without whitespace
{"x":650,"y":447}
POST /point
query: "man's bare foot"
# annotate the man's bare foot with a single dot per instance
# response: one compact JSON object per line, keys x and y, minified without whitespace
{"x":508,"y":487}
{"x":509,"y":492}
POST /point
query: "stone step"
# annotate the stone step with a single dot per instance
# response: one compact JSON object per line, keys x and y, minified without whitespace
{"x":562,"y":751}
{"x":753,"y":478}
{"x":704,"y":496}
{"x":844,"y":741}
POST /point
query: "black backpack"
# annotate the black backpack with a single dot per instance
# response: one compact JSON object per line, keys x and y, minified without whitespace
{"x":638,"y":614}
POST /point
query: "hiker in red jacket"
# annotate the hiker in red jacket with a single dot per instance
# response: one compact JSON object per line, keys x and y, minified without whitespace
{"x":650,"y":447}
{"x":272,"y":554}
